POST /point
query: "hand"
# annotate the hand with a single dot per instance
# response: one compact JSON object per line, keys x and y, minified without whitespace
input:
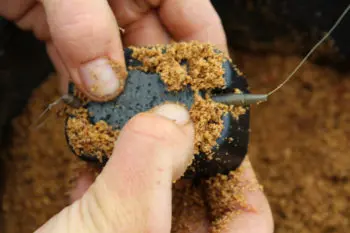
{"x":133,"y":193}
{"x":81,"y":35}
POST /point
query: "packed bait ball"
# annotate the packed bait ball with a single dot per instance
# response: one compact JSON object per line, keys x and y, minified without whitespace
{"x":186,"y":73}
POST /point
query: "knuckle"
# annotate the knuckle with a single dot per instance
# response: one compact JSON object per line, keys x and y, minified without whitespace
{"x":80,"y":27}
{"x":82,"y":37}
{"x":72,"y":28}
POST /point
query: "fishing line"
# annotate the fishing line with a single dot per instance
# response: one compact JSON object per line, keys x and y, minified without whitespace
{"x":249,"y":99}
{"x":336,"y":24}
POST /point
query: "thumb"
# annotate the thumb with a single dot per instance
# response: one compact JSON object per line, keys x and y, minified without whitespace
{"x":86,"y":40}
{"x":133,"y":192}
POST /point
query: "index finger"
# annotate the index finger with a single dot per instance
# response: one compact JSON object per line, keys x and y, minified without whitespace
{"x":238,"y":204}
{"x":188,"y":20}
{"x":86,"y":37}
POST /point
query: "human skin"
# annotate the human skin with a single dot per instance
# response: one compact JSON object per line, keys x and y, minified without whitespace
{"x":133,"y":192}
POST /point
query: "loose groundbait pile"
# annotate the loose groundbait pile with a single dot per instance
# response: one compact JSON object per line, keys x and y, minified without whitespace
{"x":299,"y":149}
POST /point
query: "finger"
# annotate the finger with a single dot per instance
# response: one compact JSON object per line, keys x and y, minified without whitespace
{"x":259,"y":218}
{"x":15,"y":9}
{"x":184,"y":20}
{"x":86,"y":35}
{"x":148,"y":30}
{"x":35,"y":20}
{"x":141,"y":23}
{"x":188,"y":20}
{"x":241,"y":205}
{"x":133,"y":192}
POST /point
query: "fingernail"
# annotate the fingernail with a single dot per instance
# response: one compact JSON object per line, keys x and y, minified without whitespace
{"x":174,"y":112}
{"x":100,"y":78}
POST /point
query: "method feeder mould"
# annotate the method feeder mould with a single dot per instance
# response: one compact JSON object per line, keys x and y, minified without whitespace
{"x":145,"y":90}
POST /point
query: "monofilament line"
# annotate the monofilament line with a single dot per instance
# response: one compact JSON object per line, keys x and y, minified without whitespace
{"x":38,"y":124}
{"x":312,"y":50}
{"x":68,"y":99}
